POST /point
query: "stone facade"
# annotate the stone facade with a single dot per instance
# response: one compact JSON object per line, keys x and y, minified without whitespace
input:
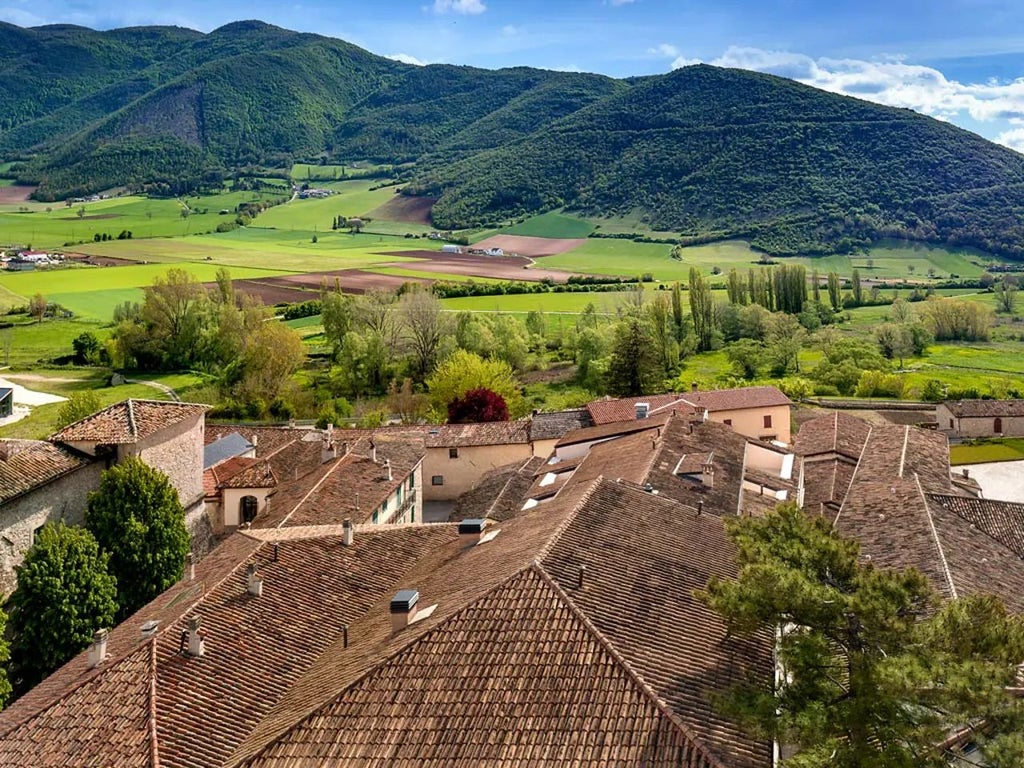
{"x":177,"y":451}
{"x":979,"y":426}
{"x":62,"y":499}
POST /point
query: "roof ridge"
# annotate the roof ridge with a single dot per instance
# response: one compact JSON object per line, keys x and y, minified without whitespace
{"x":235,"y":759}
{"x":154,"y":740}
{"x":645,"y":688}
{"x":935,"y":535}
{"x":853,"y":477}
{"x":132,"y":430}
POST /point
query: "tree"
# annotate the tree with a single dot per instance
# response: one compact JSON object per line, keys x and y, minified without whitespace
{"x":677,"y":310}
{"x":86,"y":346}
{"x":834,"y":291}
{"x":408,"y":405}
{"x":463,"y":371}
{"x":857,"y":290}
{"x":355,"y":225}
{"x":136,"y":516}
{"x":783,"y":343}
{"x":873,"y":673}
{"x":65,"y":593}
{"x":426,"y":326}
{"x":77,"y":407}
{"x":37,"y":307}
{"x":336,"y":314}
{"x":175,"y":315}
{"x":702,"y":310}
{"x":272,"y":353}
{"x":747,"y":357}
{"x":1006,"y":296}
{"x":634,"y":367}
{"x":477,"y":405}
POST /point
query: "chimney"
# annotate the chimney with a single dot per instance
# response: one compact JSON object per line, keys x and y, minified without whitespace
{"x":700,"y":506}
{"x":707,"y":474}
{"x":373,"y":452}
{"x":693,"y":386}
{"x":471,"y":531}
{"x":403,"y":608}
{"x":190,"y":566}
{"x":967,"y":472}
{"x":253,"y":583}
{"x":642,"y":410}
{"x":98,"y":649}
{"x":347,"y":532}
{"x":329,"y":451}
{"x":196,"y":647}
{"x":254,"y":440}
{"x":291,"y":423}
{"x":387,"y":466}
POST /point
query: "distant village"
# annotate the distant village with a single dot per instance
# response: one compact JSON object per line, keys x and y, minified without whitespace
{"x":356,"y":595}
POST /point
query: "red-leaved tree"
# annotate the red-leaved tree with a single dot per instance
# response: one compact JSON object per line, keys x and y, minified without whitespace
{"x":477,"y":405}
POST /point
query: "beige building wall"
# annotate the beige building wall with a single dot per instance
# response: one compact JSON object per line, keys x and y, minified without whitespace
{"x":411,"y":488}
{"x":544,"y":448}
{"x":750,"y":422}
{"x":978,"y":426}
{"x":461,"y":473}
{"x":177,"y":452}
{"x":63,"y":499}
{"x":231,"y":505}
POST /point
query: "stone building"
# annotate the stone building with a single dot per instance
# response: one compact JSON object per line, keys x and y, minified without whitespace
{"x":981,"y":418}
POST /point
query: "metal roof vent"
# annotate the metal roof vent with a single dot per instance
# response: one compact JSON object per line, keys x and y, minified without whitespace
{"x":150,"y":627}
{"x":643,"y":410}
{"x":472,"y":531}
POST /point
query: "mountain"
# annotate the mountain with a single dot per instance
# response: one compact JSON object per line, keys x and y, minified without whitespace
{"x":699,"y":150}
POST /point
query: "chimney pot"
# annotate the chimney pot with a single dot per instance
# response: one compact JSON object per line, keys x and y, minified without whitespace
{"x":344,"y":635}
{"x":98,"y":650}
{"x":190,"y":566}
{"x":373,"y":451}
{"x":471,"y":531}
{"x":254,"y":441}
{"x":276,"y":548}
{"x":291,"y":423}
{"x":387,"y":466}
{"x":348,"y":533}
{"x":253,"y":583}
{"x":693,"y":386}
{"x":967,"y":472}
{"x":196,"y":647}
{"x":700,"y":506}
{"x":581,"y":576}
{"x":642,"y":410}
{"x":403,"y":608}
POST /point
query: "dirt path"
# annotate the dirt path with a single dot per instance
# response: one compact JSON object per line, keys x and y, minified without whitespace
{"x":171,"y":394}
{"x":37,"y":378}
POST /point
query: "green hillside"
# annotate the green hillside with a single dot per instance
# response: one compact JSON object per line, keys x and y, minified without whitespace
{"x":697,"y":151}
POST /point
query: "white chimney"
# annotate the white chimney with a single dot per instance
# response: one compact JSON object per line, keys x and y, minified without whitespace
{"x":642,"y":410}
{"x":196,"y":646}
{"x":403,"y":609}
{"x":253,"y":583}
{"x":329,"y":451}
{"x":254,"y":440}
{"x":707,"y":474}
{"x":190,"y":566}
{"x":471,"y":531}
{"x":348,"y":533}
{"x":387,"y":466}
{"x":98,"y":649}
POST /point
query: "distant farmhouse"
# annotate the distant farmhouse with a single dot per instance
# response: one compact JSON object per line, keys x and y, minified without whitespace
{"x":981,"y":418}
{"x":6,"y":402}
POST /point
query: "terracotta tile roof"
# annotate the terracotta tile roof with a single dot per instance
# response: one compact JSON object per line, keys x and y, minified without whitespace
{"x":128,"y":422}
{"x":475,"y":692}
{"x":608,"y":430}
{"x":256,"y":648}
{"x":969,"y":409}
{"x":244,"y":473}
{"x":267,"y":439}
{"x":605,"y":411}
{"x":1002,"y":520}
{"x":553,"y":426}
{"x":29,"y":464}
{"x":835,"y":432}
{"x":113,"y":716}
{"x":468,"y":435}
{"x":499,"y":494}
{"x":350,"y":486}
{"x":826,"y":483}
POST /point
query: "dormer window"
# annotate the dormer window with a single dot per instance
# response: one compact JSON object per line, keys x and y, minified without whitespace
{"x":248,"y":506}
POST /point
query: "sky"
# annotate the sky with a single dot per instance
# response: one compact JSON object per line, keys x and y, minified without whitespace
{"x":956,"y":60}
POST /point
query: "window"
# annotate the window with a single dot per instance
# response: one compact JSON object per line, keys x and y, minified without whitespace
{"x":375,"y":517}
{"x":247,"y":507}
{"x":437,"y":480}
{"x":727,"y":422}
{"x":950,"y":423}
{"x":768,"y":421}
{"x":35,"y":534}
{"x":412,"y":480}
{"x":453,"y":453}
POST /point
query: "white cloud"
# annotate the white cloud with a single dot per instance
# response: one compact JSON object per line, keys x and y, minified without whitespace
{"x":620,"y":2}
{"x":406,"y":58}
{"x":511,"y":30}
{"x":891,"y":81}
{"x":667,"y":50}
{"x":20,"y":18}
{"x":682,"y":61}
{"x":468,"y":7}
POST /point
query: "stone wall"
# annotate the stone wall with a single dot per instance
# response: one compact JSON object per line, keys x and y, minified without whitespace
{"x":177,"y":452}
{"x":63,"y":499}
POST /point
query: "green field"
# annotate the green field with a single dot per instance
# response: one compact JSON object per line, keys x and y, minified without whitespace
{"x":628,"y":258}
{"x":352,"y":198}
{"x":52,"y":225}
{"x":302,"y":172}
{"x":554,"y":225}
{"x":1009,"y":449}
{"x":605,"y":302}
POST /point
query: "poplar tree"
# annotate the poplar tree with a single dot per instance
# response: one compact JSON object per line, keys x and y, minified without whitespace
{"x":702,"y":310}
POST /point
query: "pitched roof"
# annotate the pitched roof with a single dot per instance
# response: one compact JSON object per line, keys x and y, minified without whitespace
{"x":128,"y":422}
{"x":6,"y":392}
{"x":29,"y":464}
{"x":469,"y":435}
{"x":239,"y":472}
{"x":498,"y":495}
{"x":605,"y":411}
{"x":968,"y":409}
{"x":835,"y":432}
{"x":608,"y":430}
{"x":552,"y":426}
{"x":1002,"y":520}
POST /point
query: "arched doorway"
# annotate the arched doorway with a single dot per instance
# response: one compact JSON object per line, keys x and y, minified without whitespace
{"x":997,"y":425}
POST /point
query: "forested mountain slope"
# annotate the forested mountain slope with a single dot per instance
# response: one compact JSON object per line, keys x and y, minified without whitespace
{"x":697,"y":150}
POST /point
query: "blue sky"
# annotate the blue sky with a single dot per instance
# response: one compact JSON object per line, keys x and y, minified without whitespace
{"x":957,"y":60}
